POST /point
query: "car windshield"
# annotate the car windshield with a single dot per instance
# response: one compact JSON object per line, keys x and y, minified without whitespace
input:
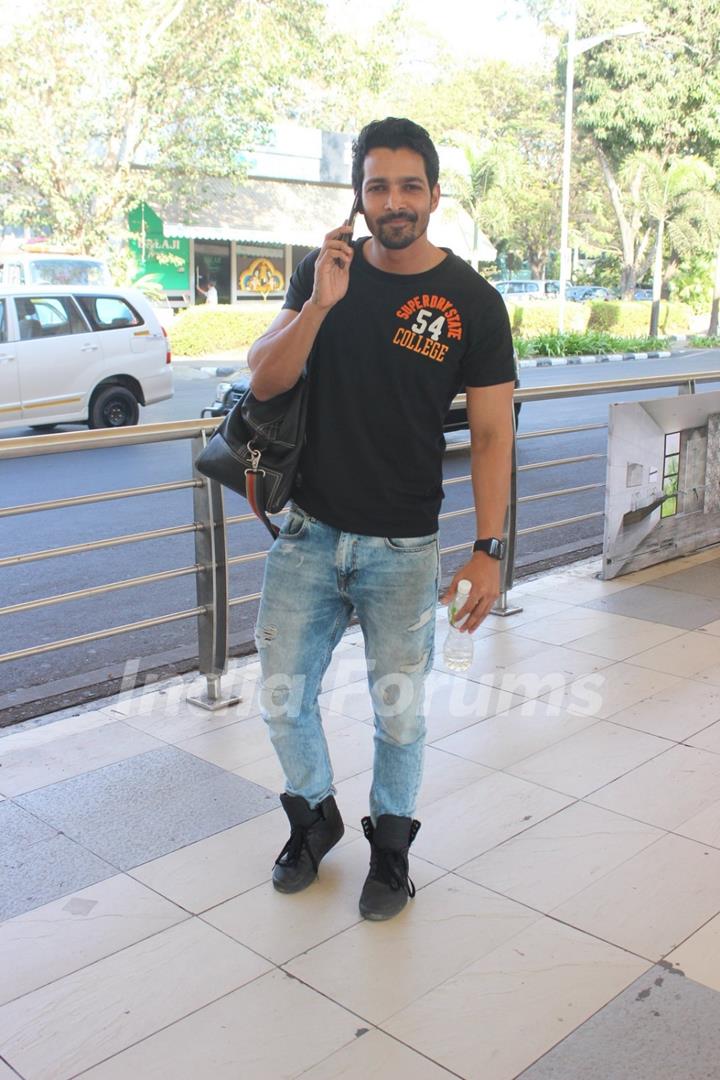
{"x":67,"y":272}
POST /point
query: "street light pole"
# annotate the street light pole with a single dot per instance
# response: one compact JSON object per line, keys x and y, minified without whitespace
{"x":575,"y":48}
{"x":567,"y":149}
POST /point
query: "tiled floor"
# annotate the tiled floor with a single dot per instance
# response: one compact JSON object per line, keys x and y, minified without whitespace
{"x":567,"y":918}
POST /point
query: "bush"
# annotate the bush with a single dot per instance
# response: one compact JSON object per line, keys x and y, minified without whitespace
{"x":702,"y":341}
{"x":631,"y":318}
{"x":212,"y":329}
{"x":623,"y":318}
{"x":592,"y":343}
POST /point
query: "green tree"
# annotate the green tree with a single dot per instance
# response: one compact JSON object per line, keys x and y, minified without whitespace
{"x":657,"y":91}
{"x":106,"y":104}
{"x":678,"y":201}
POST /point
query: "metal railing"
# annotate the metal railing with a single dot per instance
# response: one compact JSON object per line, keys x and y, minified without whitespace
{"x":209,"y":525}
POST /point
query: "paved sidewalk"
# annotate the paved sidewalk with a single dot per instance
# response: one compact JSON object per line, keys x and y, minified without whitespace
{"x":567,"y":917}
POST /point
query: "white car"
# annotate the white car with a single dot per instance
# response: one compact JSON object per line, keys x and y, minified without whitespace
{"x":79,"y":354}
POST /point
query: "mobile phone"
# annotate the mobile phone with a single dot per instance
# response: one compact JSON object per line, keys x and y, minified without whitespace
{"x":350,"y":221}
{"x":348,"y":226}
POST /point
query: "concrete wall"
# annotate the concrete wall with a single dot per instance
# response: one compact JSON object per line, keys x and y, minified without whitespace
{"x":636,"y":448}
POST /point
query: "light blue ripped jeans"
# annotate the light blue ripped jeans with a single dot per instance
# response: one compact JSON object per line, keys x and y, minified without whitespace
{"x":315,"y":576}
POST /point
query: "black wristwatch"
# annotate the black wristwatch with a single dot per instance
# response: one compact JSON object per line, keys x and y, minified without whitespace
{"x":491,"y":546}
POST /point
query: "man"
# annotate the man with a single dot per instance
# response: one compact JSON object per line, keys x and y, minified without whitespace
{"x":210,"y":294}
{"x":390,"y":328}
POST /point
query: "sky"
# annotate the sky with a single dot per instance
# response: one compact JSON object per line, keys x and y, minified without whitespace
{"x":468,"y":28}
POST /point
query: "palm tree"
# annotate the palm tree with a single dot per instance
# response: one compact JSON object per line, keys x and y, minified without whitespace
{"x":677,"y":197}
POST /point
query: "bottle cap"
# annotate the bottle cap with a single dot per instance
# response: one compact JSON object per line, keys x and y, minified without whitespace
{"x":464,"y":586}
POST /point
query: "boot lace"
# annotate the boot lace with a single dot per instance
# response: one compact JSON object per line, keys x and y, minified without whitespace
{"x":291,"y":853}
{"x":391,"y":868}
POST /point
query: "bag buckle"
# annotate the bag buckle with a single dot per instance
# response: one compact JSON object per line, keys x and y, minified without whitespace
{"x":255,"y":456}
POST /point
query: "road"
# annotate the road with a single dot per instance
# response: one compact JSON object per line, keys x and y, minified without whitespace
{"x":33,"y":479}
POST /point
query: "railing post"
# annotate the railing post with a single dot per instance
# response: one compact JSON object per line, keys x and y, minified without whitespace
{"x":212,"y":586}
{"x":507,"y":567}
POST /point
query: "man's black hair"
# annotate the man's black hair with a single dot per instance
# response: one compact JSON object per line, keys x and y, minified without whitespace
{"x":394,"y":133}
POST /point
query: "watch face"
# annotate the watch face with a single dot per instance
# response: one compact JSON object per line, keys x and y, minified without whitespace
{"x":497,"y":548}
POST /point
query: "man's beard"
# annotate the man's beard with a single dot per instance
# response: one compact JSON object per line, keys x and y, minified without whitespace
{"x":401,"y":235}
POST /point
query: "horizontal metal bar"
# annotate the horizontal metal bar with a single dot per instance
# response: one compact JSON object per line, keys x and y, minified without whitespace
{"x":561,"y":461}
{"x":613,"y":386}
{"x":457,"y":513}
{"x":456,"y":480}
{"x":244,"y":599}
{"x":562,"y":491}
{"x":82,"y":639}
{"x":456,"y":547}
{"x":99,"y":590}
{"x":559,"y":524}
{"x":104,"y":496}
{"x":561,"y":431}
{"x":247,"y":558}
{"x":68,"y":441}
{"x":96,"y":545}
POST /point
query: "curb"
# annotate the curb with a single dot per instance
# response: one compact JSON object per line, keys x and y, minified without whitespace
{"x":604,"y":358}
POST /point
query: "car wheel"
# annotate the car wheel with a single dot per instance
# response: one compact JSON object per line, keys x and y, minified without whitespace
{"x":43,"y":429}
{"x":114,"y":406}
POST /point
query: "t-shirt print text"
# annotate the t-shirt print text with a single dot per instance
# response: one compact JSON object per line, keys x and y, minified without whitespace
{"x":434,"y":317}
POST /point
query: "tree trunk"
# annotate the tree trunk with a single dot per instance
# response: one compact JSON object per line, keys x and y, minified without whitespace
{"x":713,"y":328}
{"x":657,"y":279}
{"x":628,"y":236}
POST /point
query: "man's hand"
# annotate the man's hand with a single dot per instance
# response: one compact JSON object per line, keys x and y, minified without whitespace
{"x":483,"y":573}
{"x":332,"y":269}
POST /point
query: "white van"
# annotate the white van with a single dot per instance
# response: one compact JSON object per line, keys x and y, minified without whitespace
{"x":52,"y":268}
{"x":79,"y":355}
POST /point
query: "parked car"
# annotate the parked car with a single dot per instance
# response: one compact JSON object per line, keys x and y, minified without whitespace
{"x":51,"y":268}
{"x":519,"y":291}
{"x":79,"y":355}
{"x":590,"y":292}
{"x":228,"y":394}
{"x":643,"y":294}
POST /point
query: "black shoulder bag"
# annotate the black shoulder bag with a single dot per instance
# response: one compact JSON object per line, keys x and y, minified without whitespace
{"x":256,"y":449}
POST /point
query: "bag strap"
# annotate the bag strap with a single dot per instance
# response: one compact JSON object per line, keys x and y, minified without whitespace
{"x":255,"y":484}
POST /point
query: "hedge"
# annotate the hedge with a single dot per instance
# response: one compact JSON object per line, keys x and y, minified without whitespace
{"x":223,"y":328}
{"x":623,"y":318}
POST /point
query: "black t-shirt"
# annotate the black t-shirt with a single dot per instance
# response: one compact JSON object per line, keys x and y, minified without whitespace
{"x":387,"y":362}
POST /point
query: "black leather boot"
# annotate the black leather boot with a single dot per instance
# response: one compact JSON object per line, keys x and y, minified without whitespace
{"x":312,"y":834}
{"x":388,"y":885}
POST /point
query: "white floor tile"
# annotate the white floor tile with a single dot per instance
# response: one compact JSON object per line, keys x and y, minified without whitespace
{"x":709,"y":737}
{"x":448,"y":925}
{"x":504,"y":1011}
{"x":453,"y":702}
{"x":561,"y":856}
{"x":699,"y":957}
{"x":71,"y":1025}
{"x":604,"y":693}
{"x":626,"y":638}
{"x":75,"y":931}
{"x":679,"y":712}
{"x":281,"y":927}
{"x":686,"y":655}
{"x":653,"y":901}
{"x":589,"y":759}
{"x":464,"y":825}
{"x":273,"y":1029}
{"x":667,"y":791}
{"x":375,"y":1056}
{"x":210,"y":871}
{"x":568,"y":625}
{"x":510,"y":736}
{"x":549,"y":670}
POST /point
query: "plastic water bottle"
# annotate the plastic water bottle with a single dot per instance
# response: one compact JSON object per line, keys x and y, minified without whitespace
{"x":458,"y":647}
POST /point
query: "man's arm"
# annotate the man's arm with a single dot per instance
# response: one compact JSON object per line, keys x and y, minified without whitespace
{"x":278,"y":357}
{"x":491,"y":437}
